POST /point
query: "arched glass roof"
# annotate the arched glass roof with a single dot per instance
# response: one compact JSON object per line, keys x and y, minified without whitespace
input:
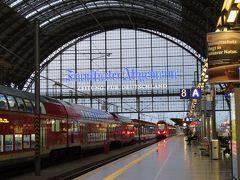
{"x":64,"y":20}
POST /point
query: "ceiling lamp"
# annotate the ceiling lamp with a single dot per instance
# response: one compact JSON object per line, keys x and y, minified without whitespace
{"x":232,"y":15}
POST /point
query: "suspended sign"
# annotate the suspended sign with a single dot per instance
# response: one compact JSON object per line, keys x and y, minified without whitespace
{"x":190,"y":93}
{"x":223,"y":56}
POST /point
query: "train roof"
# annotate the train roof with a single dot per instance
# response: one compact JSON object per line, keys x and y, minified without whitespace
{"x":74,"y":110}
{"x":15,"y":92}
{"x":122,"y":118}
{"x":137,"y":121}
{"x":86,"y":112}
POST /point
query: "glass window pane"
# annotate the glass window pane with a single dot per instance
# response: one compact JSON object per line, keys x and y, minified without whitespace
{"x":3,"y":102}
{"x":18,"y":142}
{"x":26,"y":141}
{"x":55,"y":125}
{"x":21,"y":105}
{"x":29,"y":106}
{"x":9,"y":142}
{"x":42,"y":108}
{"x":32,"y":141}
{"x":12,"y":103}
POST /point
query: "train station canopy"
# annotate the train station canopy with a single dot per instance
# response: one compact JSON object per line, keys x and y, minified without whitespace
{"x":64,"y":20}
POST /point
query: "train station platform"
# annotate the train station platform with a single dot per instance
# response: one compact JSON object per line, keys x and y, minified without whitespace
{"x":169,"y":159}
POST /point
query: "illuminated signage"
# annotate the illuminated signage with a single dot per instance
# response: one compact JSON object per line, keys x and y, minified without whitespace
{"x":196,"y":93}
{"x":4,"y":120}
{"x":190,"y":93}
{"x":184,"y":93}
{"x":188,"y":119}
{"x":127,"y":74}
{"x":223,"y":56}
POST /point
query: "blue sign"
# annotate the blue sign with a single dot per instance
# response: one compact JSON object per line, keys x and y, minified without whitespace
{"x":188,"y":119}
{"x":126,"y":74}
{"x":184,"y":93}
{"x":196,"y":93}
{"x":190,"y":93}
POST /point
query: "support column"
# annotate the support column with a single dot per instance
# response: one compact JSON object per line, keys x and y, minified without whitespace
{"x":138,"y":111}
{"x":214,"y":133}
{"x":37,"y":103}
{"x":235,"y":130}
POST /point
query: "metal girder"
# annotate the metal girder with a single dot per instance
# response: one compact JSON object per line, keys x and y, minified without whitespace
{"x":64,"y":20}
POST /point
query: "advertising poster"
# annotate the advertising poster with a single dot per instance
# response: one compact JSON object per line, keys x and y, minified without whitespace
{"x":223,"y":56}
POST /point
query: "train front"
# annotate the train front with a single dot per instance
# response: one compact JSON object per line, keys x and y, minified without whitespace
{"x":162,"y":130}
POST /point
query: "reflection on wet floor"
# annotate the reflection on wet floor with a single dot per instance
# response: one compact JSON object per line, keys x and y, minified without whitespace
{"x":169,"y":159}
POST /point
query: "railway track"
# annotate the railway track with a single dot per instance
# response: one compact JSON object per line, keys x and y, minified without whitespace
{"x":74,"y":166}
{"x":98,"y":163}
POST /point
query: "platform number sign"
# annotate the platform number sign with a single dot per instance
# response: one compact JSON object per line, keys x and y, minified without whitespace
{"x":190,"y":93}
{"x":184,"y":93}
{"x":196,"y":93}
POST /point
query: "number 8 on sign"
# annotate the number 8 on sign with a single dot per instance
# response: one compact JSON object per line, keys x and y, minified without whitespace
{"x":185,"y":93}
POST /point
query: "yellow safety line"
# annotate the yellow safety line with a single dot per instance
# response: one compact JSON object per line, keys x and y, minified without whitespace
{"x":125,"y":168}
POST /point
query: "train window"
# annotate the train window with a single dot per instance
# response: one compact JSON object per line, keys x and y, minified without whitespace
{"x":8,"y":142}
{"x":55,"y":125}
{"x":29,"y":106}
{"x":18,"y":142}
{"x":84,"y":114}
{"x":161,"y":126}
{"x":21,"y":105}
{"x":32,"y":141}
{"x":26,"y":141}
{"x":3,"y":102}
{"x":87,"y":115}
{"x":12,"y":103}
{"x":75,"y":126}
{"x":1,"y":143}
{"x":42,"y":108}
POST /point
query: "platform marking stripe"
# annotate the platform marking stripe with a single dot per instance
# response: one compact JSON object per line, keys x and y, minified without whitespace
{"x":164,"y":163}
{"x":125,"y":168}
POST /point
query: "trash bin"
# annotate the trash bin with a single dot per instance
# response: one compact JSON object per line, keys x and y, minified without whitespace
{"x":215,"y":150}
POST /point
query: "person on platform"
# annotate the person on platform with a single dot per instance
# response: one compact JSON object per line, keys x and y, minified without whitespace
{"x":191,"y":136}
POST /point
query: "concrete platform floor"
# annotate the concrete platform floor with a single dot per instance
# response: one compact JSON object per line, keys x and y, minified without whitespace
{"x":171,"y":159}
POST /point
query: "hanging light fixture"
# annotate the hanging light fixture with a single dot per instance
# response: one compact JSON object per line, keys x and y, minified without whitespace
{"x":233,"y":14}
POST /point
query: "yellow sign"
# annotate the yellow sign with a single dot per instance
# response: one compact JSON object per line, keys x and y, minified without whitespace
{"x":4,"y":120}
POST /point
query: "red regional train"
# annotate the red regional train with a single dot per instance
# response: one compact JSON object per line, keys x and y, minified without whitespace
{"x":64,"y":126}
{"x":146,"y":129}
{"x":165,"y":130}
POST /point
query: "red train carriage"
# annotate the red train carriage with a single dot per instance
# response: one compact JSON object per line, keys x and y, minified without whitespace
{"x":124,"y":132}
{"x":63,"y":126}
{"x":164,"y":129}
{"x":144,"y":130}
{"x":89,"y":128}
{"x":16,"y":124}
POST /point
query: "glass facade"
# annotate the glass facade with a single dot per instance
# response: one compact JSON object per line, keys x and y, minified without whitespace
{"x":125,"y":71}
